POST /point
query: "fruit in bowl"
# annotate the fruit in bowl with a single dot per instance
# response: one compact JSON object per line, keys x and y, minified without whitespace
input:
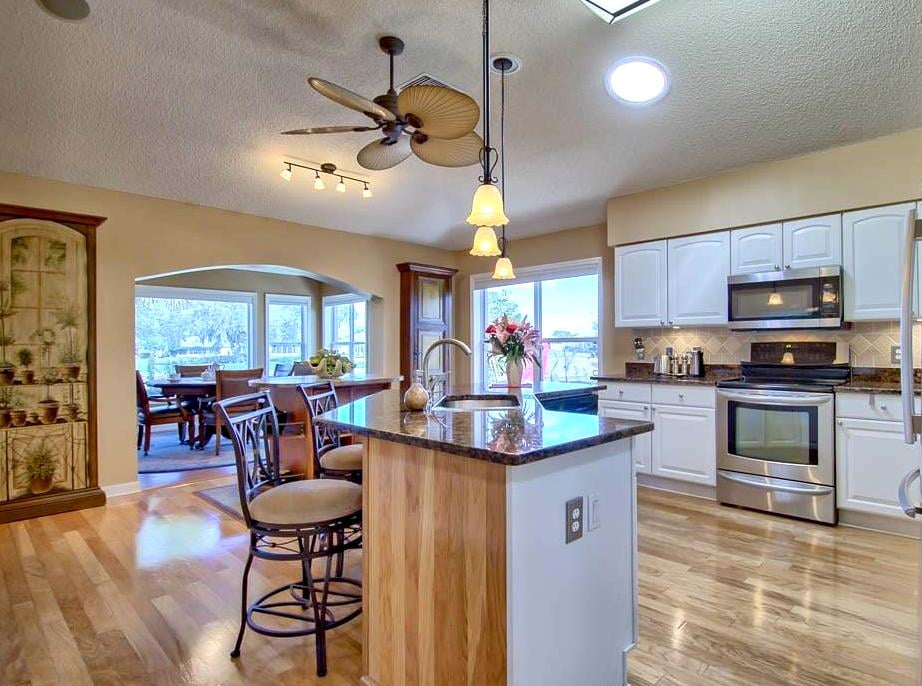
{"x":329,"y":364}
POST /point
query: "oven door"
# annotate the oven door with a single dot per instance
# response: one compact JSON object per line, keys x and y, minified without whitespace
{"x":781,"y":434}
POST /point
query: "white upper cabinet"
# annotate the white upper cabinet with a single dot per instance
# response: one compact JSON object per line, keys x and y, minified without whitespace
{"x":814,"y":242}
{"x":697,"y":276}
{"x":640,"y":284}
{"x":872,"y":261}
{"x":756,"y":249}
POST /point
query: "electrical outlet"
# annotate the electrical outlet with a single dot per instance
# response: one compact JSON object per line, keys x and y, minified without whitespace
{"x":896,"y":354}
{"x":594,"y":516}
{"x":574,"y":521}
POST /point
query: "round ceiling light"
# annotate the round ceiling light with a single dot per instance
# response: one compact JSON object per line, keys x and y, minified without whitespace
{"x":638,"y":81}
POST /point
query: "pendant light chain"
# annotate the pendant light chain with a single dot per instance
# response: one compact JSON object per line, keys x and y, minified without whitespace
{"x":502,"y":149}
{"x":487,"y":152}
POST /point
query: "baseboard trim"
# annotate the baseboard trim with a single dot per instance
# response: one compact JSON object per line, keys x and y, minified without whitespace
{"x":896,"y":526}
{"x":127,"y":488}
{"x":659,"y":483}
{"x":55,"y":503}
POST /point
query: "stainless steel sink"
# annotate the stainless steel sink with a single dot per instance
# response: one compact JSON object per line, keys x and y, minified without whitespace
{"x":490,"y":402}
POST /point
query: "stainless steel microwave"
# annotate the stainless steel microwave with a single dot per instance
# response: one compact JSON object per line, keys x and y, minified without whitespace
{"x":790,"y":299}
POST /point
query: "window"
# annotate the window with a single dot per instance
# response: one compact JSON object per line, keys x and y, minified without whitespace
{"x":287,"y":330}
{"x":562,"y":301}
{"x":192,"y":326}
{"x":345,"y":328}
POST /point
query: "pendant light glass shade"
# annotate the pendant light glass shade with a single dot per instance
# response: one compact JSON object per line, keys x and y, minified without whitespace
{"x":319,"y":185}
{"x":341,"y":186}
{"x":485,"y":243}
{"x":503,"y":270}
{"x":487,"y":208}
{"x":286,"y":174}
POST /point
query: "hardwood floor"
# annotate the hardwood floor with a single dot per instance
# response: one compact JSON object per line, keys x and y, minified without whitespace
{"x":145,"y":591}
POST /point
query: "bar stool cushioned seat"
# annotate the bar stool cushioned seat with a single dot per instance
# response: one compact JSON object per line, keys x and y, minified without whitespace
{"x":297,"y":502}
{"x":347,"y":458}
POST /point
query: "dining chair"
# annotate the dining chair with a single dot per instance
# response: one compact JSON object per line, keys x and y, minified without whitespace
{"x":150,"y":416}
{"x":331,"y":458}
{"x":282,"y":369}
{"x":228,"y":383}
{"x":301,"y":369}
{"x":303,"y":521}
{"x":190,"y":369}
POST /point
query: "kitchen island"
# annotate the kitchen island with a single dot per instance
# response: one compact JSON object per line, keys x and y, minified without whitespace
{"x":468,"y":575}
{"x":296,"y":443}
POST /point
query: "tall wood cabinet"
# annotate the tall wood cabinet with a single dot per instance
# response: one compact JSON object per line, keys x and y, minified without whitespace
{"x":425,"y":316}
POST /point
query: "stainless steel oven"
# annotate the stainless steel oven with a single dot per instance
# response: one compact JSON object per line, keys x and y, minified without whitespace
{"x":791,"y":299}
{"x":776,"y":452}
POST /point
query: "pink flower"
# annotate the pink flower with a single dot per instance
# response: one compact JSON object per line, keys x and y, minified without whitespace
{"x":491,"y":329}
{"x":511,"y":327}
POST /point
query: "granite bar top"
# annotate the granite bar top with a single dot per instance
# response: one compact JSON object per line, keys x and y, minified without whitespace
{"x":876,"y":380}
{"x":354,"y":379}
{"x":642,"y":372}
{"x":509,"y":436}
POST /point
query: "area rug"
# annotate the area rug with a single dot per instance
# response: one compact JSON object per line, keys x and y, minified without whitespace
{"x":168,"y":455}
{"x":224,"y":498}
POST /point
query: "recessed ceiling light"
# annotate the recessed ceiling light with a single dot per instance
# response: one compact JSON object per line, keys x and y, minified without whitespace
{"x":612,"y":10}
{"x":638,"y":81}
{"x":68,"y":10}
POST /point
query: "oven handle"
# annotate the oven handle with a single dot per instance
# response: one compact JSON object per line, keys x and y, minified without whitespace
{"x":906,"y":504}
{"x":757,"y":481}
{"x":780,"y":399}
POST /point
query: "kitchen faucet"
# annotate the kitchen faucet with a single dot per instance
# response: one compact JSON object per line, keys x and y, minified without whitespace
{"x":464,"y":347}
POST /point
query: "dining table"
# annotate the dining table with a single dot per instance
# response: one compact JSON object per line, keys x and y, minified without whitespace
{"x":187,"y":388}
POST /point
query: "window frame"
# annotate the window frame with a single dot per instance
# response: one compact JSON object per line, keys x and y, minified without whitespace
{"x":306,"y":304}
{"x":188,"y":293}
{"x":326,"y":333}
{"x":479,"y":283}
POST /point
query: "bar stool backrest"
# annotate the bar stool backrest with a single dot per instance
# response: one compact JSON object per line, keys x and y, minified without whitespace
{"x":254,"y":432}
{"x":326,"y":437}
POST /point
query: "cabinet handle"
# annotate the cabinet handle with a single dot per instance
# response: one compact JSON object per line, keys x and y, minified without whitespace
{"x":787,"y":266}
{"x":681,"y":396}
{"x":883,"y":407}
{"x":646,"y":407}
{"x":777,"y":267}
{"x":839,"y":422}
{"x":621,"y":391}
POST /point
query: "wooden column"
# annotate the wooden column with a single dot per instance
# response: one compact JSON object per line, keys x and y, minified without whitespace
{"x":435,"y":568}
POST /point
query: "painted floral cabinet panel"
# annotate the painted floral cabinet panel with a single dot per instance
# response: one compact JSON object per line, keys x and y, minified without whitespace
{"x":44,"y":329}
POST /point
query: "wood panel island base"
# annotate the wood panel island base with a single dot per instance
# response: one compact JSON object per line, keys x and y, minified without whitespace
{"x":469,"y":578}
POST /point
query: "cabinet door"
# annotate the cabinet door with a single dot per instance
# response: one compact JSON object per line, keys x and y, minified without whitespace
{"x":815,"y":242}
{"x":640,"y":284}
{"x":756,"y":249}
{"x":684,"y":444}
{"x":871,"y":459}
{"x":872,"y":249}
{"x":698,"y":267}
{"x":642,"y":446}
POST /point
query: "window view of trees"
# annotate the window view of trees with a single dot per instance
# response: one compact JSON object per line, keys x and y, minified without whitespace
{"x":176,"y":330}
{"x":344,"y":331}
{"x":565,"y":311}
{"x":286,"y":330}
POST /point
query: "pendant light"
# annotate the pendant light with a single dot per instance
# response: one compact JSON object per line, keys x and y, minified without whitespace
{"x":485,"y":242}
{"x":487,"y":206}
{"x":503,"y":270}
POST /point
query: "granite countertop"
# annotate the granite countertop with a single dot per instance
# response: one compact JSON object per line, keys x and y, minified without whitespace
{"x":868,"y":386}
{"x":307,"y":380}
{"x":642,"y":372}
{"x":510,"y":436}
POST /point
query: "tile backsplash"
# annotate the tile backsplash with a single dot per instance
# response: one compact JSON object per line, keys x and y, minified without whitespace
{"x":869,"y":342}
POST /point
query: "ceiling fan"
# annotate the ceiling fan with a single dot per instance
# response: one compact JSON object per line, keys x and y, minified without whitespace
{"x":435,"y":123}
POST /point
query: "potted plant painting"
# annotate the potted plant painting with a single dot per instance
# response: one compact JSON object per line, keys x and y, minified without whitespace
{"x":25,"y":358}
{"x":71,"y":359}
{"x":6,"y":403}
{"x":48,"y":406}
{"x":40,"y":466}
{"x":7,"y":369}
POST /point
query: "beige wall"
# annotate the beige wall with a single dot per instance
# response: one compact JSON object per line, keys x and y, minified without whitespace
{"x":876,"y":172}
{"x":562,"y":246}
{"x":261,"y":284}
{"x":147,"y":236}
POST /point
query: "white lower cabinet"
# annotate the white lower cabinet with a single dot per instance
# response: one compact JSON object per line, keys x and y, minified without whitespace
{"x":643,"y":444}
{"x":684,"y":444}
{"x":871,"y":459}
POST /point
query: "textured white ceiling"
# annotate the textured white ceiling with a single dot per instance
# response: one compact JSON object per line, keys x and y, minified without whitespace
{"x":184,"y":99}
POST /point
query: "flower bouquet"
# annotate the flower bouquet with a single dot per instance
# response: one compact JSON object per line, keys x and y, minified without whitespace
{"x":514,"y":343}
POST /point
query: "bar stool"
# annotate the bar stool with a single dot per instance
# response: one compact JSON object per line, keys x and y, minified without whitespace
{"x":299,"y":521}
{"x":332,"y":459}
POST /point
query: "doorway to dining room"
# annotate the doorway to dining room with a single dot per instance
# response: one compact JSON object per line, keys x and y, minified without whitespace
{"x":248,"y":321}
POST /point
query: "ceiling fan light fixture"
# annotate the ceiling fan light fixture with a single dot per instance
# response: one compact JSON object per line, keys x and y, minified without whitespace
{"x":485,"y":243}
{"x":487,"y":207}
{"x":611,"y":11}
{"x":341,"y":186}
{"x":503,"y":270}
{"x":286,"y":173}
{"x":319,"y":185}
